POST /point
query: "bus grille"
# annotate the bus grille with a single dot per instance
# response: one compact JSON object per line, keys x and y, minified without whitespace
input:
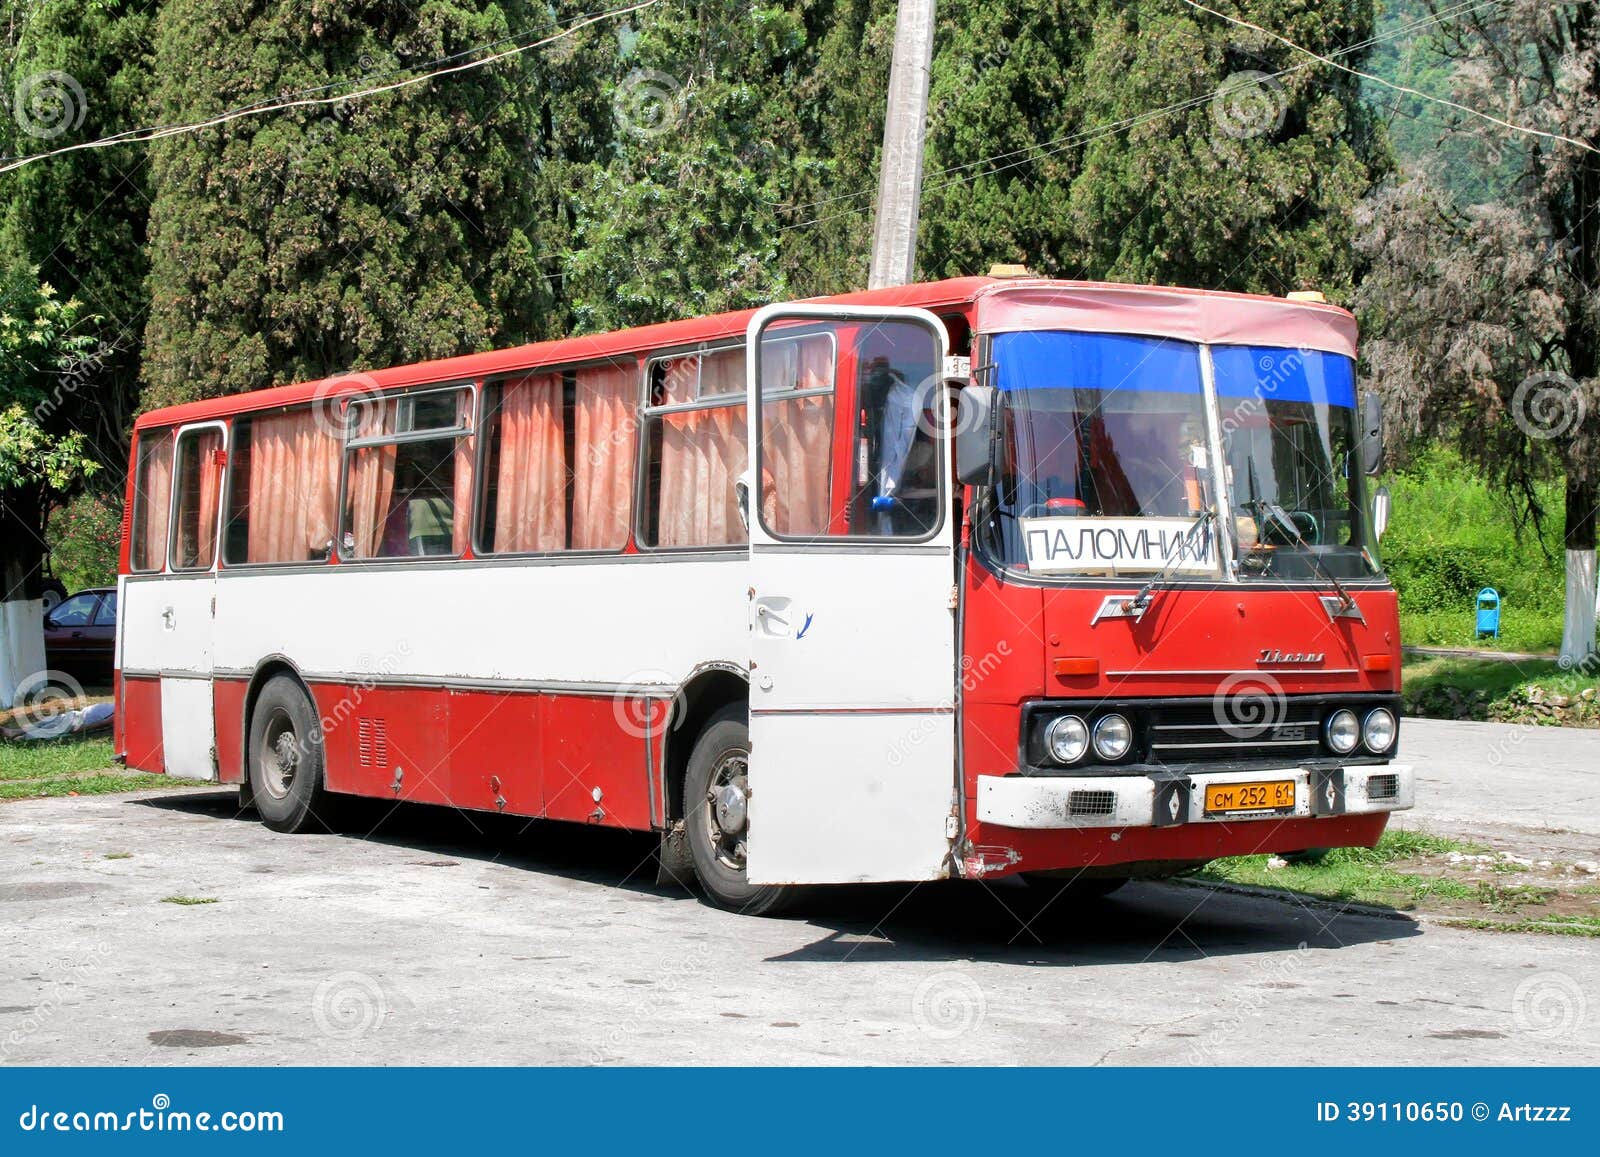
{"x":1383,"y":787}
{"x":1241,"y":728}
{"x":1091,"y":802}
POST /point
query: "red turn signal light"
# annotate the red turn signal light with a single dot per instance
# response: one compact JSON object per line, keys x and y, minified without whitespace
{"x":1377,"y":662}
{"x":1066,"y":668}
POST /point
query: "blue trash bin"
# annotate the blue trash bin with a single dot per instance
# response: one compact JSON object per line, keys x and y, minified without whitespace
{"x":1488,"y":612}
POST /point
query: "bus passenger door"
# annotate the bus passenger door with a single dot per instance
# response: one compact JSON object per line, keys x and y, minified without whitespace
{"x":183,"y":606}
{"x":852,"y":654}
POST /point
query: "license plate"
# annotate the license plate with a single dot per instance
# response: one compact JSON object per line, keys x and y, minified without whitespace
{"x":1231,"y":798}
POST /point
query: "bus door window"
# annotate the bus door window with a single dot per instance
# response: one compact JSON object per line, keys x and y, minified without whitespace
{"x":896,"y":452}
{"x":199,"y":478}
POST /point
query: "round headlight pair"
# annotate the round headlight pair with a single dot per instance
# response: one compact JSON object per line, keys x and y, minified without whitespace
{"x":1343,"y":731}
{"x":1068,"y":738}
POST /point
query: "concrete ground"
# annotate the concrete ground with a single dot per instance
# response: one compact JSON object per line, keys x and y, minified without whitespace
{"x":446,"y":939}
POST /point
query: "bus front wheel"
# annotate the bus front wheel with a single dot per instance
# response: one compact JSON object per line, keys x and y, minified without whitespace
{"x":286,"y":760}
{"x":716,"y":793}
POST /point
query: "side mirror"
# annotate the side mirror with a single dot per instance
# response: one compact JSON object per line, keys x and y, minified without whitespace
{"x":975,"y":435}
{"x":741,"y":494}
{"x":1371,"y":433}
{"x":1380,"y":513}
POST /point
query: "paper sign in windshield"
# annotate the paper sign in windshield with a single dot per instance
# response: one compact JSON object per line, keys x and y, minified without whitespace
{"x":1083,"y":545}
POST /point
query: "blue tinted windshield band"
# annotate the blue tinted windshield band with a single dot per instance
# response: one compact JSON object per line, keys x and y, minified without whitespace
{"x":1052,"y":360}
{"x":1284,"y":375}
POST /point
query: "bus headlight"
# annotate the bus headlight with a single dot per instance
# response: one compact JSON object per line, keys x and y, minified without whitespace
{"x":1113,"y":735}
{"x":1378,"y":731}
{"x":1342,"y":731}
{"x":1067,"y":738}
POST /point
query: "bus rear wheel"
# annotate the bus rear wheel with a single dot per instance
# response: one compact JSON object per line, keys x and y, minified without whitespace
{"x":286,"y":760}
{"x":716,"y":798}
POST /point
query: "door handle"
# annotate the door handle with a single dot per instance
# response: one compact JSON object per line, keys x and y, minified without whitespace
{"x":77,"y":634}
{"x":769,"y":619}
{"x":168,"y":617}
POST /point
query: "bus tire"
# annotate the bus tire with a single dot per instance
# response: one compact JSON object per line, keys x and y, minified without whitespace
{"x":286,"y":760}
{"x":715,"y":788}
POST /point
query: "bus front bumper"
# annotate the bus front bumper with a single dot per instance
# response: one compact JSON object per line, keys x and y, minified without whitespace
{"x":1172,"y":798}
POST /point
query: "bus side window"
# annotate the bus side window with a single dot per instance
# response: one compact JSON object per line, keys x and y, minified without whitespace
{"x":283,"y":492}
{"x":558,"y":463}
{"x":408,"y":475}
{"x":695,"y":435}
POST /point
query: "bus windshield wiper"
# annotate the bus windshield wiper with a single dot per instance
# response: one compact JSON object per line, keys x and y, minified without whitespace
{"x":1347,"y":604}
{"x":1140,"y":602}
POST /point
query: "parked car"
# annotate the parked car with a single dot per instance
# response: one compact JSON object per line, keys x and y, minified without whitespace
{"x":80,"y":635}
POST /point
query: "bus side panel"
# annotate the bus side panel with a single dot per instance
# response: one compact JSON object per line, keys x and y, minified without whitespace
{"x":495,"y":755}
{"x":227,"y":710}
{"x":388,"y":742}
{"x":597,"y":744}
{"x":139,"y":716}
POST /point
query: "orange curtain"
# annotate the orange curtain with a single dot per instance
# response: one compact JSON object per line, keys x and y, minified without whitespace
{"x":702,"y":452}
{"x":154,"y":499}
{"x":531,"y":489}
{"x":371,"y":482}
{"x":294,"y":487}
{"x":210,"y":448}
{"x":604,"y":423}
{"x":461,"y":499}
{"x":797,"y":436}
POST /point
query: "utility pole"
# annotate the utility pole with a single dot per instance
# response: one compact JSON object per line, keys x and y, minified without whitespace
{"x":894,"y":230}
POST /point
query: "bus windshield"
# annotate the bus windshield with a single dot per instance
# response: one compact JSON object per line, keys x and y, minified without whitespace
{"x":1106,"y":467}
{"x":1291,"y":438}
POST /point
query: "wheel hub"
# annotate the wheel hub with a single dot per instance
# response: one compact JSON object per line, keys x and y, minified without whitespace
{"x":732,"y":808}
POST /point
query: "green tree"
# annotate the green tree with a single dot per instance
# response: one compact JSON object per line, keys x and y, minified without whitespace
{"x":1484,"y":321}
{"x":72,"y":71}
{"x":393,"y":228}
{"x":40,"y":340}
{"x":682,"y":217}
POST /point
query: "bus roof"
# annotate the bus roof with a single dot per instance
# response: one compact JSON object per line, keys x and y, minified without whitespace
{"x":1190,"y":314}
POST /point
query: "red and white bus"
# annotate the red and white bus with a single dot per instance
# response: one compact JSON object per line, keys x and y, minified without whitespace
{"x":962,"y":579}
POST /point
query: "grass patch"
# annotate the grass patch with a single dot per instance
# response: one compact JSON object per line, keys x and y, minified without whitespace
{"x":53,"y":757}
{"x":1583,"y":926}
{"x":188,"y":901}
{"x":1449,"y":688}
{"x":1412,"y":871}
{"x":72,"y":765}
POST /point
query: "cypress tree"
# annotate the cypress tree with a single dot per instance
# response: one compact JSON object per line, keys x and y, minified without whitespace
{"x":394,"y":228}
